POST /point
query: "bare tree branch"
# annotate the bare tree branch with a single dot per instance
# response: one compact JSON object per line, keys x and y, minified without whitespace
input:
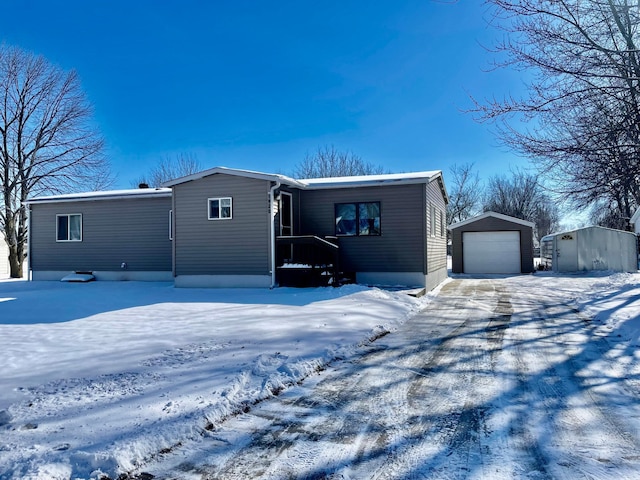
{"x":582,"y":109}
{"x":169,"y":168}
{"x":329,"y":162}
{"x":46,"y":142}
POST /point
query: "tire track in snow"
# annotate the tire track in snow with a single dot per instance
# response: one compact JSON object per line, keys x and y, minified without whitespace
{"x":483,"y":384}
{"x":585,"y":369}
{"x":411,"y":417}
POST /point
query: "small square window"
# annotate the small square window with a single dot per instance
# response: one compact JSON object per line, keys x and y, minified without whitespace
{"x":69,"y":227}
{"x":220,"y":208}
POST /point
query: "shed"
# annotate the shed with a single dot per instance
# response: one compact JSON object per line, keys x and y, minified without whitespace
{"x":590,"y":248}
{"x":492,"y":243}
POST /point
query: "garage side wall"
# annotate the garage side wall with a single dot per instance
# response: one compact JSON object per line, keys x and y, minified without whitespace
{"x":487,"y":225}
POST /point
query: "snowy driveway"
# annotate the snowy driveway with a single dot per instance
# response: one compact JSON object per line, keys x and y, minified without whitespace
{"x":493,"y":380}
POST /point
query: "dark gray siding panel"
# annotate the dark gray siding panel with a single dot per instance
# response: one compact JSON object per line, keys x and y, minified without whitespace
{"x":135,"y":231}
{"x":490,"y":224}
{"x":239,"y":246}
{"x":401,"y":246}
{"x":436,"y":244}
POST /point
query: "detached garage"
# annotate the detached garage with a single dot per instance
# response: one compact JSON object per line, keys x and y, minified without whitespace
{"x":492,"y":243}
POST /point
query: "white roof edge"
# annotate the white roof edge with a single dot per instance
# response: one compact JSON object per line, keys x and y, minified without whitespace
{"x":491,"y":214}
{"x":371,"y":180}
{"x":237,"y":172}
{"x":105,"y":195}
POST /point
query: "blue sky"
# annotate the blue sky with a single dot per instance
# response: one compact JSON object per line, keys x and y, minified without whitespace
{"x":257,"y":85}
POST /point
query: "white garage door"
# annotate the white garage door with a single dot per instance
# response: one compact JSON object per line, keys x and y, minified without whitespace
{"x":491,"y":252}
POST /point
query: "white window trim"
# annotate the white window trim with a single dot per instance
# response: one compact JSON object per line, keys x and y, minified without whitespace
{"x":68,"y":215}
{"x":170,"y":224}
{"x":432,"y":220}
{"x":219,"y":207}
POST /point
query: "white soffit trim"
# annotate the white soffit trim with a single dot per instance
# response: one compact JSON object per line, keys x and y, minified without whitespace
{"x":371,"y":180}
{"x":106,"y":195}
{"x":270,"y":177}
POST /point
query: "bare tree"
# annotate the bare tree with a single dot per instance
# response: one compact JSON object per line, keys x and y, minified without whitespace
{"x":47,"y":144}
{"x":583,"y":103}
{"x":169,"y":168}
{"x":329,"y":162}
{"x":465,"y":193}
{"x":521,"y":196}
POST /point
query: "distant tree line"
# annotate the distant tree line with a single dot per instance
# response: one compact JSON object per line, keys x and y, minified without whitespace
{"x":518,"y":195}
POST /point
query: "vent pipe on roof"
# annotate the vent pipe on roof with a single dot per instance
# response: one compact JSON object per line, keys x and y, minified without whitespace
{"x":143,"y":185}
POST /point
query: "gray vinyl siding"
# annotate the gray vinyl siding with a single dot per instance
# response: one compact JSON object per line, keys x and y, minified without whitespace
{"x":436,"y":245}
{"x":400,"y":247}
{"x":238,"y":246}
{"x":492,"y":224}
{"x":135,"y":231}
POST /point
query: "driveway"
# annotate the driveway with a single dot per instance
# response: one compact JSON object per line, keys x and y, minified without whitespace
{"x":482,"y":384}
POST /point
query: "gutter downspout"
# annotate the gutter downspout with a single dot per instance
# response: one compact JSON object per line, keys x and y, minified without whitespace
{"x":272,"y":232}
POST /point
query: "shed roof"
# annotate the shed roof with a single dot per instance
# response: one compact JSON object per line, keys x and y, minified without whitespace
{"x":501,"y":216}
{"x":592,"y":227}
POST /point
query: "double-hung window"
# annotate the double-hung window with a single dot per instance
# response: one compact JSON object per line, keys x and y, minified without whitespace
{"x":357,"y":219}
{"x":220,"y":208}
{"x":69,"y":227}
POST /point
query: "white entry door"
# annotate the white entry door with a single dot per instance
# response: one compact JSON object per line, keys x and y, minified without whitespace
{"x":491,"y":252}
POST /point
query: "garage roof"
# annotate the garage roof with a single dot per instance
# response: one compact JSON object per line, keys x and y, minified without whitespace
{"x":491,"y":214}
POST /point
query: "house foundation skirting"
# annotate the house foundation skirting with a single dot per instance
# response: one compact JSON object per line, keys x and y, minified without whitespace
{"x":223,"y":281}
{"x":390,"y":279}
{"x":435,"y":278}
{"x":118,"y":275}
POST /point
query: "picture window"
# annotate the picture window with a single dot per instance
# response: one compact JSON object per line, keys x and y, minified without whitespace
{"x":357,"y":219}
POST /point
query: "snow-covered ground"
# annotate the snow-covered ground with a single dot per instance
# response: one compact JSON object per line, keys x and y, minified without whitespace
{"x":104,"y":378}
{"x":99,"y":377}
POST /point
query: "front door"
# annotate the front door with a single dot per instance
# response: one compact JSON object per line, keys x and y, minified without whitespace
{"x":286,"y":214}
{"x":567,"y":252}
{"x":286,"y":224}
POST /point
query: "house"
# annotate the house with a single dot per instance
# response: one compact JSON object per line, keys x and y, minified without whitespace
{"x":228,"y":228}
{"x":590,"y":248}
{"x":4,"y":258}
{"x":492,"y":243}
